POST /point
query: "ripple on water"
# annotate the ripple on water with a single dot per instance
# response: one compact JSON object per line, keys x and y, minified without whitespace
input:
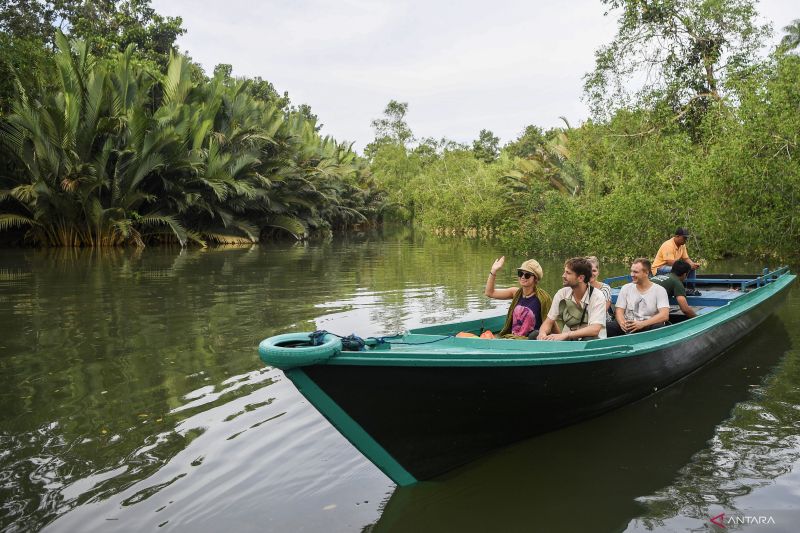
{"x":274,"y":470}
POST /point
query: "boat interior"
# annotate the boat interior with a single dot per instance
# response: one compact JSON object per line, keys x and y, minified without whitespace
{"x":716,"y":291}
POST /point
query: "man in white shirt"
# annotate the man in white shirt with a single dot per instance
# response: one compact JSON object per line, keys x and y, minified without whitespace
{"x":641,"y":305}
{"x":581,"y":307}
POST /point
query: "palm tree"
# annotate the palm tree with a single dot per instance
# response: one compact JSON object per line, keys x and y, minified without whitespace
{"x":83,"y":155}
{"x":551,"y":161}
{"x":122,"y":155}
{"x":791,"y":40}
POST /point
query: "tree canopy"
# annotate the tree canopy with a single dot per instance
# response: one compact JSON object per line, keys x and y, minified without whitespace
{"x":677,"y":53}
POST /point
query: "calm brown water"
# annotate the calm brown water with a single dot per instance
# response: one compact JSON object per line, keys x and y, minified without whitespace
{"x":133,"y":398}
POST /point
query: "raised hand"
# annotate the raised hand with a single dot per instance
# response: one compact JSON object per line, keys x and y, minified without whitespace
{"x":498,"y":264}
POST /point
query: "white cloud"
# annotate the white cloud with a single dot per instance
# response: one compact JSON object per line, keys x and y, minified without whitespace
{"x":461,"y":66}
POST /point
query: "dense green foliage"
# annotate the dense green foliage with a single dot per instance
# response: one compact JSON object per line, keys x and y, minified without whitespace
{"x":673,"y":53}
{"x":120,"y":154}
{"x":110,"y":137}
{"x":710,"y":143}
{"x":118,"y":139}
{"x":28,"y":29}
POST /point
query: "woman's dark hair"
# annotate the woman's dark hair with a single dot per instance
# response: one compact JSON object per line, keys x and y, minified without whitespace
{"x":681,"y":267}
{"x":581,"y":267}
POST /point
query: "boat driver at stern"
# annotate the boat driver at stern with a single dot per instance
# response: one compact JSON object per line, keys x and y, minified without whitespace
{"x":580,"y":307}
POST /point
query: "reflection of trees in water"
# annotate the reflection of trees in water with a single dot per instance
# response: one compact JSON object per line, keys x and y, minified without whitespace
{"x":759,"y":443}
{"x":99,"y":349}
{"x":106,"y":353}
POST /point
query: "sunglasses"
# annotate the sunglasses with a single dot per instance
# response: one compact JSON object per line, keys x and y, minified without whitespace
{"x":523,"y":274}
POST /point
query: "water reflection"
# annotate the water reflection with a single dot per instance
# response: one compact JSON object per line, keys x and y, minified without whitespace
{"x":759,"y":443}
{"x":133,"y":396}
{"x":588,"y":476}
{"x":124,"y":373}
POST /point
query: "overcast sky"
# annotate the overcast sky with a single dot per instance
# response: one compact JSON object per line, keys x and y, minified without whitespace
{"x":461,"y":66}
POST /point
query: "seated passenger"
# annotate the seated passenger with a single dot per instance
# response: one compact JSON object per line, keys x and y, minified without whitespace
{"x":581,"y":307}
{"x":670,"y":251}
{"x":674,"y":285}
{"x":529,"y":302}
{"x":605,"y":288}
{"x":641,"y":305}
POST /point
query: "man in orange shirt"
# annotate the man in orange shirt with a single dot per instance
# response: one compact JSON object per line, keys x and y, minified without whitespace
{"x":672,"y":250}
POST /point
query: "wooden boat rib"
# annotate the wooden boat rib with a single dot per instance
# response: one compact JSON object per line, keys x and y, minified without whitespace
{"x":425,"y":402}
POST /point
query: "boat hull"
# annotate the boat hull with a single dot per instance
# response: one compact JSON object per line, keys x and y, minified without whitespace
{"x":418,"y":421}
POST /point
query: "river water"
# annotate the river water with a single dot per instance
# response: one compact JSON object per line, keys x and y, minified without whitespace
{"x":133,"y":399}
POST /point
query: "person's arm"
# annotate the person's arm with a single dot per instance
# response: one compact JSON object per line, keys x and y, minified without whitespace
{"x":685,"y":257}
{"x":592,"y":330}
{"x":619,"y":311}
{"x":490,"y":291}
{"x":685,"y":307}
{"x":547,"y":326}
{"x":606,"y":290}
{"x":598,"y":310}
{"x":658,"y":318}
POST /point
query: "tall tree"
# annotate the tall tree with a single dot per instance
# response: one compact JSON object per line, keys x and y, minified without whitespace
{"x":527,"y":143}
{"x":678,"y":52}
{"x":111,"y":25}
{"x":28,"y":19}
{"x":393,"y":127}
{"x":486,"y":146}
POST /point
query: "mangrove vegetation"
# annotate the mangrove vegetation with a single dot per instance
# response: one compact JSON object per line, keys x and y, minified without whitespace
{"x":127,"y":146}
{"x":709,"y":141}
{"x":111,"y":136}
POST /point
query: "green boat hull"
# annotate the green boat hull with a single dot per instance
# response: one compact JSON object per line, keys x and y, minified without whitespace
{"x":418,"y":410}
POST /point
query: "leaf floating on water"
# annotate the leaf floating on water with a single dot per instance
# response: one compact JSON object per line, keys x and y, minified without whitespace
{"x":329,"y":507}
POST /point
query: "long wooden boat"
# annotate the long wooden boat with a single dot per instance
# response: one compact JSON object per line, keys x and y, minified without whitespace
{"x":425,"y":402}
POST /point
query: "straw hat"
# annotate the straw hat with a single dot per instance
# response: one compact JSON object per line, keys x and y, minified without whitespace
{"x":533,"y":266}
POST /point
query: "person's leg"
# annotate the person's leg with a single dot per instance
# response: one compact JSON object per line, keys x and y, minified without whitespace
{"x":664,"y":269}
